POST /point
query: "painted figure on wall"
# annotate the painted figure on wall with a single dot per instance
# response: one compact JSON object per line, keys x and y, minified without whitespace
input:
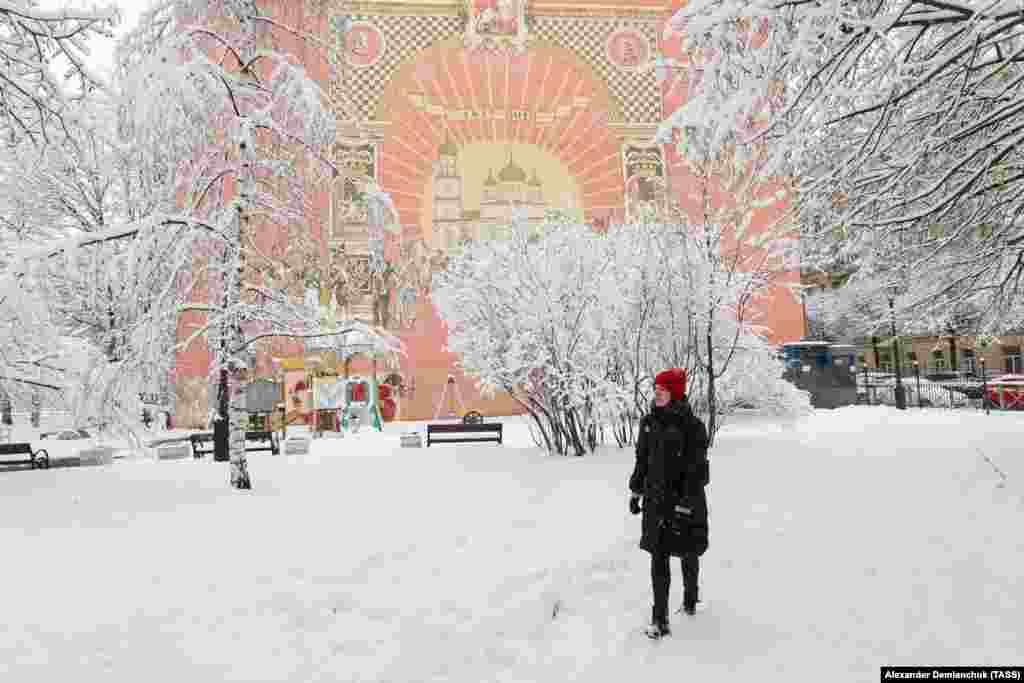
{"x":496,"y":24}
{"x":193,"y":402}
{"x":646,"y":185}
{"x":497,"y":17}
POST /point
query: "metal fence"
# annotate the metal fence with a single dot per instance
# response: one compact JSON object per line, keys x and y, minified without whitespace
{"x":968,"y":390}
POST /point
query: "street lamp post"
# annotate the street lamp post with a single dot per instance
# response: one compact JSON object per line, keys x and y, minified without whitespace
{"x":867,"y":394}
{"x":984,"y":386}
{"x":901,"y":396}
{"x":917,"y":374}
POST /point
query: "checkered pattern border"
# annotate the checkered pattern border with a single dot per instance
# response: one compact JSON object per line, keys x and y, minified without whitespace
{"x":638,"y":93}
{"x":404,"y":36}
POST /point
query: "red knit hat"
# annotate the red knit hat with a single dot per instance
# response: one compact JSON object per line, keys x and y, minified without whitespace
{"x":674,"y":380}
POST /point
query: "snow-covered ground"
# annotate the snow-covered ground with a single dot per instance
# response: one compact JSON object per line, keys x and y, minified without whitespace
{"x":849,"y":540}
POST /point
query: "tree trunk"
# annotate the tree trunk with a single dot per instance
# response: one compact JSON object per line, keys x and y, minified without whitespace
{"x":952,"y":353}
{"x":236,"y":424}
{"x":878,"y":356}
{"x":229,"y":429}
{"x":712,"y":408}
{"x":221,"y":431}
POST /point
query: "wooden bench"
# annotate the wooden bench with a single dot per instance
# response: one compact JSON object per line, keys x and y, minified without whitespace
{"x":36,"y":459}
{"x":464,"y":433}
{"x":199,"y":441}
{"x":262,"y":437}
{"x":267,"y":440}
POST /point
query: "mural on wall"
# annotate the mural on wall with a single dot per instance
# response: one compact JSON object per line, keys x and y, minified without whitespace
{"x":461,"y":113}
{"x":192,"y":404}
{"x":628,"y":49}
{"x":496,"y":24}
{"x":364,"y":43}
{"x":493,"y":113}
{"x":646,"y":183}
{"x":359,"y":277}
{"x":474,"y":192}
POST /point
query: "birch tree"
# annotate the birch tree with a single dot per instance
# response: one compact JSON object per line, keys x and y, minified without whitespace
{"x":240,"y":119}
{"x":225,"y":134}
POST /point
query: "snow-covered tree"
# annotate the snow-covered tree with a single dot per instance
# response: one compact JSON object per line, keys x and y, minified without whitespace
{"x":899,"y":120}
{"x":574,"y":324}
{"x":202,"y":87}
{"x":524,"y":317}
{"x":90,"y":184}
{"x":44,"y":67}
{"x":45,"y":75}
{"x":217,"y":138}
{"x":737,"y":211}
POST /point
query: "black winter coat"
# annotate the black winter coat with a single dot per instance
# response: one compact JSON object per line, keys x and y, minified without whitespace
{"x":672,"y":469}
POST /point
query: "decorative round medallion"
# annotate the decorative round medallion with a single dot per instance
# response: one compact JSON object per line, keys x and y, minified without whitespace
{"x":364,"y":45}
{"x":628,"y":49}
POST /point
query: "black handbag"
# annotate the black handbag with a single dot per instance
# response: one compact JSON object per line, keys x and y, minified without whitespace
{"x":680,"y":519}
{"x":683,"y":528}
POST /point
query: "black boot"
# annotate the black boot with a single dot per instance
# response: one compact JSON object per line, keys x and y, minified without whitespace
{"x":659,"y":625}
{"x":691,"y":573}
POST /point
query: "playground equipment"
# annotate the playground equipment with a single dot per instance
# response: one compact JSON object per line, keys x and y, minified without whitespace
{"x":362,"y":399}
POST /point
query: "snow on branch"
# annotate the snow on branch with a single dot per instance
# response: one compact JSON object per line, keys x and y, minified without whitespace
{"x":898,"y":120}
{"x":573,"y":325}
{"x":33,"y":100}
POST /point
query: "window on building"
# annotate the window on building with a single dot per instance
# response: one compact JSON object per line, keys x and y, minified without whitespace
{"x":885,"y":361}
{"x":1011,"y":359}
{"x":939,"y":360}
{"x":967,"y":360}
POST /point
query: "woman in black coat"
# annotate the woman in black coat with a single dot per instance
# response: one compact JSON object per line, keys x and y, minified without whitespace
{"x":670,"y":475}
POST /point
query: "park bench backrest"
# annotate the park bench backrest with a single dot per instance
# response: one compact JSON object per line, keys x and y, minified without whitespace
{"x":463,"y":428}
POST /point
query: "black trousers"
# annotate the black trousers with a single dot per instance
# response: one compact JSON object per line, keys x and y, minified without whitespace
{"x":661,"y":580}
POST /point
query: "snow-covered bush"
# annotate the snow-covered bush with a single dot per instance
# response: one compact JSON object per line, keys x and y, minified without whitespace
{"x":524,"y":317}
{"x":574,"y":324}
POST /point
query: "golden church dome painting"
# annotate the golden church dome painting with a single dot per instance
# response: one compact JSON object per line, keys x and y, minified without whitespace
{"x":512,"y":189}
{"x":512,"y":173}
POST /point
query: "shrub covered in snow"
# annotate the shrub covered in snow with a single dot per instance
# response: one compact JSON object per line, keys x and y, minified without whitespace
{"x":574,"y":324}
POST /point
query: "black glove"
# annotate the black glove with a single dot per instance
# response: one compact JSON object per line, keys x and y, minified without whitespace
{"x":634,"y":504}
